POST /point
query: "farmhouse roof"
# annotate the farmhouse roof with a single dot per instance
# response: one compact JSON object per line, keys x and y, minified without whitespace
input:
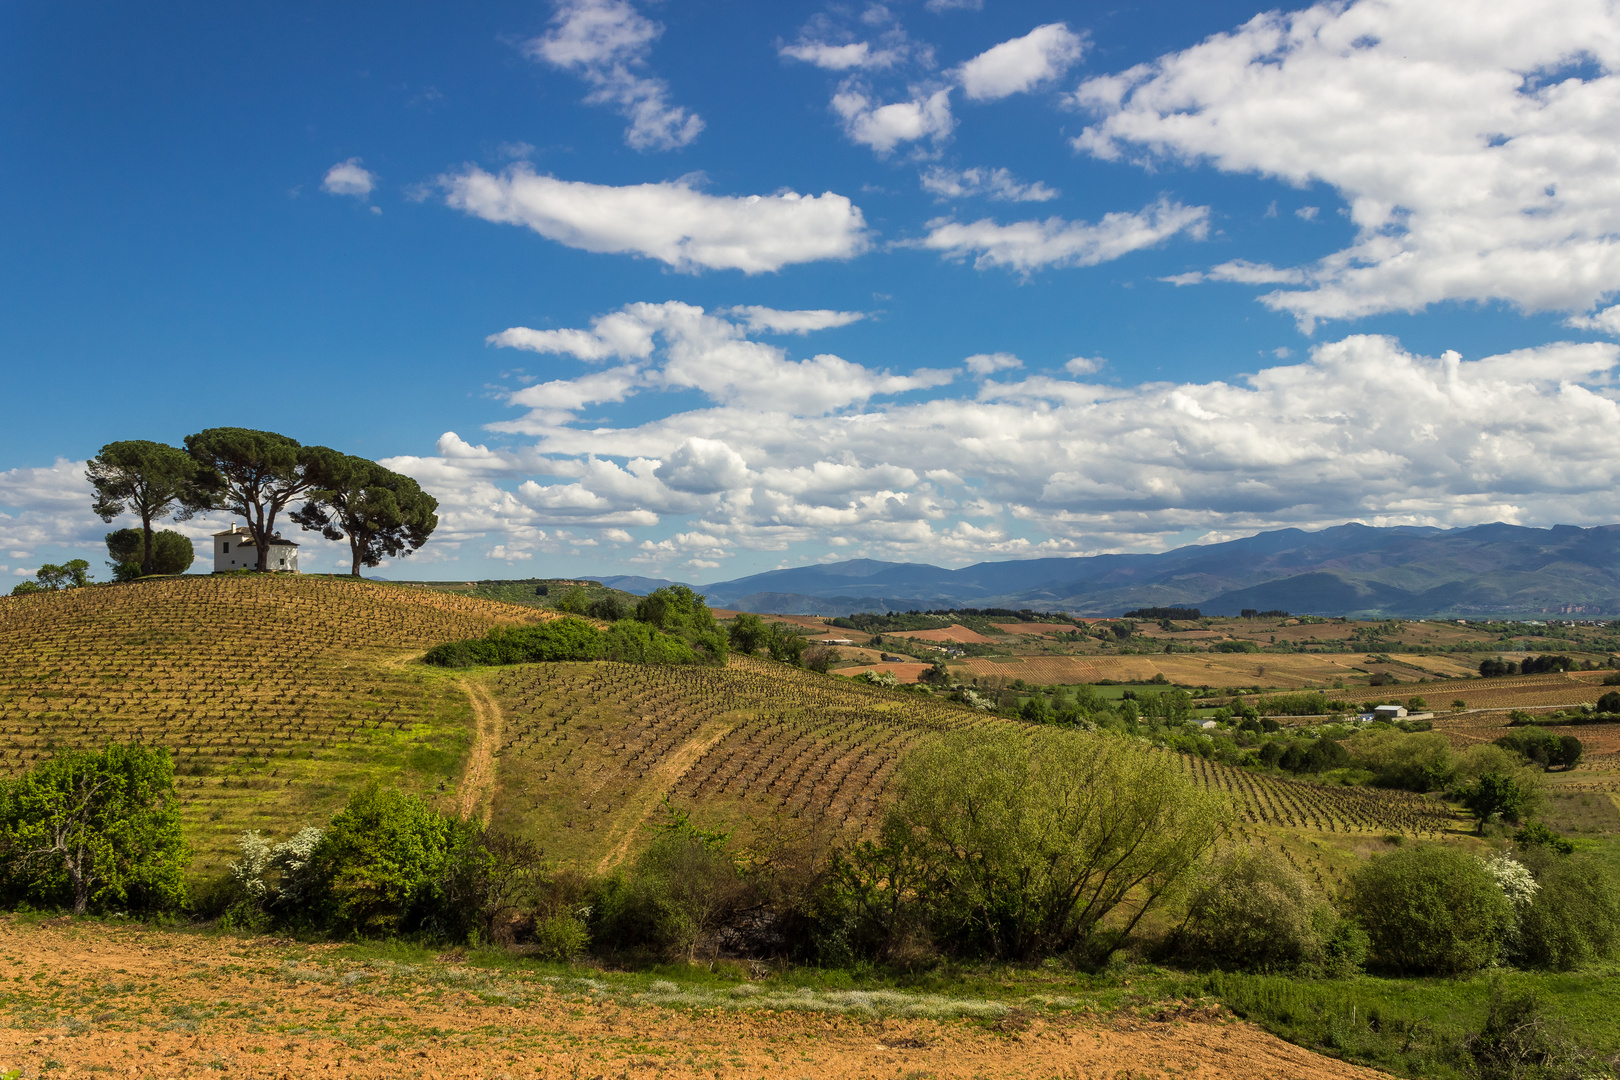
{"x":247,"y":537}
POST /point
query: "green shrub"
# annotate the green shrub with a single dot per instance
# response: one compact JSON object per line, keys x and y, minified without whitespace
{"x":561,"y":937}
{"x":388,"y":864}
{"x":1255,"y":912}
{"x":172,"y":551}
{"x":1430,"y":909}
{"x":1021,"y":845}
{"x":638,"y":643}
{"x":1409,"y":762}
{"x":679,"y":891}
{"x":1574,"y":917}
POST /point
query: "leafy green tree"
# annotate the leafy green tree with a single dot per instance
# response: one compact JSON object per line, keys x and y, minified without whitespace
{"x":748,"y":634}
{"x":150,"y":480}
{"x":576,"y":601}
{"x":783,"y":645}
{"x":383,"y":513}
{"x":73,"y":574}
{"x":1021,"y":846}
{"x":23,"y":588}
{"x":676,"y":609}
{"x":172,"y":553}
{"x":1572,"y":750}
{"x":1430,"y":910}
{"x":1495,"y":795}
{"x":252,"y":474}
{"x":1609,"y":703}
{"x":94,"y":829}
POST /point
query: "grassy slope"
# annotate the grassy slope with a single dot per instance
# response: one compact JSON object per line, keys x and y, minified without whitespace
{"x":277,"y":695}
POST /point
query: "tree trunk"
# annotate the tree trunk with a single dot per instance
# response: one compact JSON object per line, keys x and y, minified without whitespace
{"x":354,"y":549}
{"x":146,"y":541}
{"x":261,"y":541}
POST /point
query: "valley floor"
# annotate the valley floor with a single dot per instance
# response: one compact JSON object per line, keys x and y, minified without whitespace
{"x":87,"y":998}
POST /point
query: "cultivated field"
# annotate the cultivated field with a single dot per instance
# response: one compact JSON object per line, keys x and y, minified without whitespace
{"x":276,"y":695}
{"x":590,"y":751}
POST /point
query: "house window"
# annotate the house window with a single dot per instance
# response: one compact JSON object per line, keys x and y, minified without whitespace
{"x":227,"y":545}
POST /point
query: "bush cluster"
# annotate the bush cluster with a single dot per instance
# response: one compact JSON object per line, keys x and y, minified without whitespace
{"x":670,"y":626}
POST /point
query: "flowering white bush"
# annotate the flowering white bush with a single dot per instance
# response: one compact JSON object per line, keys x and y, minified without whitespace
{"x":1514,"y":879}
{"x":289,"y":860}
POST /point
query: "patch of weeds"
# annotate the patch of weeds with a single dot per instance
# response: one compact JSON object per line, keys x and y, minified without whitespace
{"x":297,"y":973}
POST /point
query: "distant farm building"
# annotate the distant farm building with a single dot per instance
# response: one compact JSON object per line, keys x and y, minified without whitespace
{"x":234,"y":550}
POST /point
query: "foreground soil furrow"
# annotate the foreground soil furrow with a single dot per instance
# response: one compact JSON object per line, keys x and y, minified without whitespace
{"x":86,"y":999}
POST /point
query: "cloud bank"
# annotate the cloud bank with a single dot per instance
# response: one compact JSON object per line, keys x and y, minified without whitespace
{"x":671,"y":222}
{"x":1473,"y":143}
{"x":826,"y":452}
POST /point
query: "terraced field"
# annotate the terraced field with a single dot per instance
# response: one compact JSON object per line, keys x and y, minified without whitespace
{"x":590,"y":751}
{"x":279,"y":696}
{"x":276,"y":695}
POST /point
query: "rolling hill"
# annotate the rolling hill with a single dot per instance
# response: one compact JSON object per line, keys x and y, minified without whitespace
{"x":1357,"y":570}
{"x":279,"y":696}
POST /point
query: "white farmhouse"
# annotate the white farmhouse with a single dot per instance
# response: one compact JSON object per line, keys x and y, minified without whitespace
{"x":234,"y":550}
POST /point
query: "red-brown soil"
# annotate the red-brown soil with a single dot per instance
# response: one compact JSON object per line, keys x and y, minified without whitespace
{"x":86,"y":999}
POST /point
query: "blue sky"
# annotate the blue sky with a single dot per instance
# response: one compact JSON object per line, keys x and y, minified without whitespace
{"x":698,"y":289}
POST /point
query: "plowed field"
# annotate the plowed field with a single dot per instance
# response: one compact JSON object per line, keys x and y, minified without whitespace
{"x":87,"y":1000}
{"x":948,"y":633}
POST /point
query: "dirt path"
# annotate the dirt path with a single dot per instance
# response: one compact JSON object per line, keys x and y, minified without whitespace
{"x":663,"y":777}
{"x":477,"y":785}
{"x":85,"y":999}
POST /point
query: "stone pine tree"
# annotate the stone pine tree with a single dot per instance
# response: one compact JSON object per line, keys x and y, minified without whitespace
{"x":147,"y":479}
{"x":383,"y":514}
{"x":253,"y":474}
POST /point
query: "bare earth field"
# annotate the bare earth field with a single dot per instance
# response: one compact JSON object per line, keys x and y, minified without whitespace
{"x":89,"y":999}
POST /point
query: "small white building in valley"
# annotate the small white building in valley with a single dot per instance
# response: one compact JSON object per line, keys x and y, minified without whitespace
{"x":234,"y":550}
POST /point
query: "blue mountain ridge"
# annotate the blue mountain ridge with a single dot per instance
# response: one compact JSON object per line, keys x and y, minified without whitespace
{"x":1352,"y":569}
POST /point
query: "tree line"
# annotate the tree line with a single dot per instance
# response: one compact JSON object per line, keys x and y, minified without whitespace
{"x":257,"y":476}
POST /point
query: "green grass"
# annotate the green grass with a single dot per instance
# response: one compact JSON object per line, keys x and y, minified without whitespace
{"x":1416,"y":1027}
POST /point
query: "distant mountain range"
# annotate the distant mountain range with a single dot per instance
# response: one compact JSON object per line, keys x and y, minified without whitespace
{"x":1358,"y":570}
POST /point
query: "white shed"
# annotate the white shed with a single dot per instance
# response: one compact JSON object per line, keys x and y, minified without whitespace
{"x":1389,"y":712}
{"x":234,"y":550}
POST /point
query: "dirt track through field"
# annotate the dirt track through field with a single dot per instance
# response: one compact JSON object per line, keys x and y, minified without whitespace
{"x":478,"y":778}
{"x":85,"y":999}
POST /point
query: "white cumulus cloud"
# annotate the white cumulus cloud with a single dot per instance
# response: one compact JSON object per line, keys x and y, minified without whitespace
{"x":1029,"y":245}
{"x":1362,"y":429}
{"x":998,"y":184}
{"x":1474,"y":143}
{"x":670,"y":221}
{"x":1022,"y":64}
{"x":349,"y":178}
{"x":607,"y":43}
{"x":884,"y":127}
{"x":770,"y":320}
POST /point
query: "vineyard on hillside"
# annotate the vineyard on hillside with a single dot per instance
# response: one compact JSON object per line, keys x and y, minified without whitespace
{"x":275,"y":695}
{"x":592,"y":750}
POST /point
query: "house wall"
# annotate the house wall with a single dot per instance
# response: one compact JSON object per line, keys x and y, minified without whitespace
{"x":244,"y":556}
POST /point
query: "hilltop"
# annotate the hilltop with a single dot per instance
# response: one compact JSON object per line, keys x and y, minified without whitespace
{"x":1357,"y":570}
{"x":277,"y":695}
